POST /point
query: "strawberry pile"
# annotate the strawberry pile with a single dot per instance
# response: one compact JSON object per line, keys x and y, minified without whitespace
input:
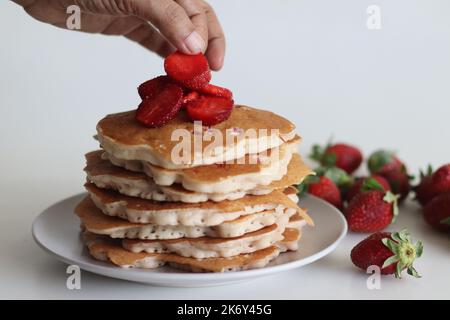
{"x":370,"y":203}
{"x":433,"y":194}
{"x":340,"y":155}
{"x":186,"y":86}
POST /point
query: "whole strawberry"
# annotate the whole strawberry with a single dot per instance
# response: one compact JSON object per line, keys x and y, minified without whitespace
{"x":360,"y":185}
{"x":423,"y":190}
{"x":399,"y":181}
{"x":440,"y":181}
{"x":437,"y":212}
{"x":343,"y":156}
{"x":392,"y":252}
{"x":342,"y":180}
{"x":323,"y":188}
{"x":388,"y":165}
{"x":372,"y":211}
{"x":383,"y":161}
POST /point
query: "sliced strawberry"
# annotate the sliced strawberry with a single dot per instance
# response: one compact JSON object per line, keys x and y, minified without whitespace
{"x":210,"y":110}
{"x":161,"y":107}
{"x":217,"y":91}
{"x":189,"y":97}
{"x":150,"y":88}
{"x":192,"y":71}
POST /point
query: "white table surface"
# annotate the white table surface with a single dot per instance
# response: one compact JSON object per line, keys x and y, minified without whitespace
{"x":29,"y":272}
{"x":315,"y":62}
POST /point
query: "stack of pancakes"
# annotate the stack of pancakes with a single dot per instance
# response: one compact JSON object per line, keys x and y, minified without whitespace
{"x":152,"y":203}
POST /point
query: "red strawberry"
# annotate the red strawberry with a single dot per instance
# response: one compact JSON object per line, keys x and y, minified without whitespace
{"x":423,"y":190}
{"x":437,"y":212}
{"x":341,"y":178}
{"x":383,"y":161}
{"x":371,"y":211}
{"x":190,"y":96}
{"x":399,"y":182}
{"x":359,"y":184}
{"x":441,"y":180}
{"x":192,"y":71}
{"x":150,"y":88}
{"x":217,"y":91}
{"x":343,"y":156}
{"x":162,"y":107}
{"x":323,"y":188}
{"x":391,"y":252}
{"x":424,"y":193}
{"x":209,"y":109}
{"x":386,"y":164}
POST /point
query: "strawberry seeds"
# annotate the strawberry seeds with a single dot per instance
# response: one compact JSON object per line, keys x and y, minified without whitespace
{"x":186,"y":85}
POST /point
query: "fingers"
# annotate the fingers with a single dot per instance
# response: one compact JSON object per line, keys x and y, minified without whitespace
{"x":173,"y":22}
{"x":148,"y":37}
{"x":190,"y":26}
{"x":196,"y":14}
{"x":24,"y":3}
{"x":216,"y":39}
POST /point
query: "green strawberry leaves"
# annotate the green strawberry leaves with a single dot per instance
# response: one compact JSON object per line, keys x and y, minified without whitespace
{"x":446,"y":221}
{"x":338,"y":176}
{"x":413,"y":272}
{"x":404,"y":253}
{"x":371,"y":184}
{"x":389,"y":197}
{"x":379,"y":159}
{"x":341,"y":178}
{"x":303,"y":186}
{"x":426,"y":173}
{"x":329,"y":159}
{"x":319,"y":154}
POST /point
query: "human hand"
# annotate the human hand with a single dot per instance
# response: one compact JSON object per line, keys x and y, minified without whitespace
{"x":161,"y":26}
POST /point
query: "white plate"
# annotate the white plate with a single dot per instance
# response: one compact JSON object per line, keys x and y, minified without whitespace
{"x":57,"y":230}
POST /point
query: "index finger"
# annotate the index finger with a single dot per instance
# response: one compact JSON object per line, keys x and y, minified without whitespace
{"x":215,"y":52}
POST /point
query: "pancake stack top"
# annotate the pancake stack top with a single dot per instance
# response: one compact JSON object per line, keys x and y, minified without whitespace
{"x":208,"y":199}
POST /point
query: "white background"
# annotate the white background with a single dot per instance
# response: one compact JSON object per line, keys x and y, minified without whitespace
{"x":314,"y":62}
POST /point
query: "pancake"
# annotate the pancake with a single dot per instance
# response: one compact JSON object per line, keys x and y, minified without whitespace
{"x":105,"y":249}
{"x":290,"y":241}
{"x":296,"y":222}
{"x":246,"y":174}
{"x":104,"y":174}
{"x":125,"y":138}
{"x":207,"y":213}
{"x":292,"y":193}
{"x":94,"y":221}
{"x":205,"y":247}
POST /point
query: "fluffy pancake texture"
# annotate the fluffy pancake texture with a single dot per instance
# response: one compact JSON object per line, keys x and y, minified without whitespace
{"x":205,"y":247}
{"x":124,"y":138}
{"x":246,"y":174}
{"x":107,"y":250}
{"x":96,"y":222}
{"x":207,"y":213}
{"x":104,"y":174}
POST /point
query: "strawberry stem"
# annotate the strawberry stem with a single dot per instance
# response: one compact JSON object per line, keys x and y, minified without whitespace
{"x":371,"y":184}
{"x":404,"y":253}
{"x":389,"y":197}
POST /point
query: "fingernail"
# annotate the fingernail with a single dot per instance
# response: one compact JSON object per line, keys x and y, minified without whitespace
{"x":194,"y":42}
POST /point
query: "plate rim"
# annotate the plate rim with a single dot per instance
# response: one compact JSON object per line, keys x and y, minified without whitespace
{"x":158,"y":278}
